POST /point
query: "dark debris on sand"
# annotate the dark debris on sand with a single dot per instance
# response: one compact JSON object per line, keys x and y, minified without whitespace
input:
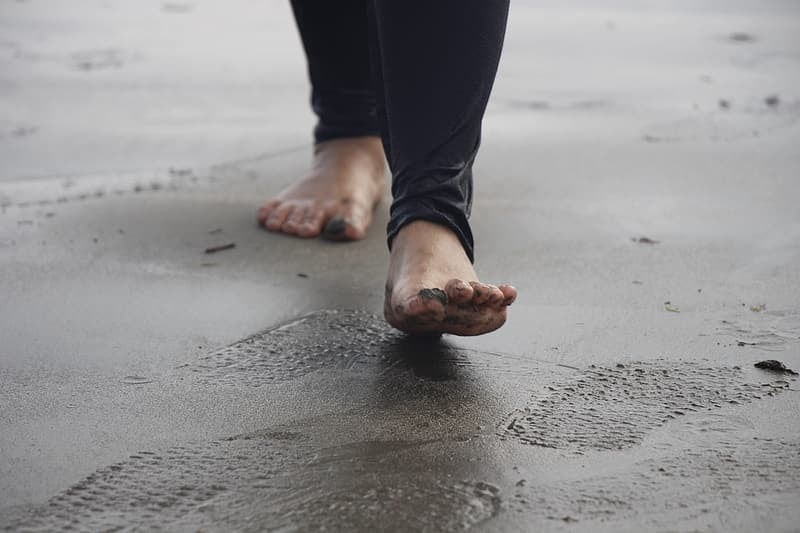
{"x":220,"y":248}
{"x":644,"y":240}
{"x":775,"y":366}
{"x":742,"y":37}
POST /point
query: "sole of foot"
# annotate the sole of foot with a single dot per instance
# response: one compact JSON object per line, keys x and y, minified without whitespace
{"x":432,"y":287}
{"x":337,"y":198}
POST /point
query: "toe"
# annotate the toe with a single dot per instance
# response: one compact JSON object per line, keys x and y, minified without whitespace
{"x":509,"y":294}
{"x":358,"y":219}
{"x":278,"y":217}
{"x":480,"y":292}
{"x":311,"y":226}
{"x":496,"y":297}
{"x":458,"y":291}
{"x":335,"y":229}
{"x":349,"y":224}
{"x":293,"y":220}
{"x":266,"y":210}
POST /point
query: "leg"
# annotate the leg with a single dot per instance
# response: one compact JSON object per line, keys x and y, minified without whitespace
{"x":347,"y":177}
{"x":434,"y":64}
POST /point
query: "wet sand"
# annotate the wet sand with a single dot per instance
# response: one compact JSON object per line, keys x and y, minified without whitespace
{"x":637,"y":183}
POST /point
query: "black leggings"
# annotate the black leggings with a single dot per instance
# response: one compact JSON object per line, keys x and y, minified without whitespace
{"x":417,"y":72}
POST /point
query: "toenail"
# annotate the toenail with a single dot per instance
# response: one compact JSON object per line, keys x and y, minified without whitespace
{"x":335,"y":227}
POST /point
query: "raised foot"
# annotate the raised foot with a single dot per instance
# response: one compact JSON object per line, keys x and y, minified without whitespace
{"x":337,"y":197}
{"x":432,"y":287}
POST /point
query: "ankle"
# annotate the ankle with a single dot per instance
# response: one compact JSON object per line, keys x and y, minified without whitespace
{"x":363,"y":152}
{"x":424,"y":232}
{"x":371,"y":146}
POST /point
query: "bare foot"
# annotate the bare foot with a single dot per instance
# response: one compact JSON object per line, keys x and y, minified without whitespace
{"x":337,"y":198}
{"x":432,"y":287}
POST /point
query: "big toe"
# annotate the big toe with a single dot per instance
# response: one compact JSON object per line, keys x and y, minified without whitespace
{"x":427,"y":307}
{"x":349,"y":225}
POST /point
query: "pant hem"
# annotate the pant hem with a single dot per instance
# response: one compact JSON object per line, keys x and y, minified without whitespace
{"x":460,"y":228}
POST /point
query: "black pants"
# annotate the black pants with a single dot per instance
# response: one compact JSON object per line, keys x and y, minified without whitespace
{"x":417,"y":72}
